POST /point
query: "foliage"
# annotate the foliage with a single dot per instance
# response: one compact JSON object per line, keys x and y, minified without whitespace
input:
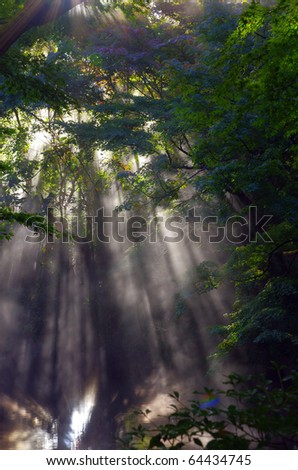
{"x":177,"y":96}
{"x":8,"y":218}
{"x":233,"y":99}
{"x":9,"y":8}
{"x":252,"y":412}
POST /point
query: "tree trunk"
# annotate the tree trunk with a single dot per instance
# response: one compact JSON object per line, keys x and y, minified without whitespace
{"x":35,"y":13}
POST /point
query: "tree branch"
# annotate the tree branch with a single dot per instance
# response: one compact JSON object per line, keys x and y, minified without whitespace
{"x":35,"y":13}
{"x":178,"y":167}
{"x":179,"y":147}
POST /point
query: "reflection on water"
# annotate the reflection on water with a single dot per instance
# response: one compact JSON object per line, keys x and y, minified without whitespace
{"x":80,"y":418}
{"x":24,"y":425}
